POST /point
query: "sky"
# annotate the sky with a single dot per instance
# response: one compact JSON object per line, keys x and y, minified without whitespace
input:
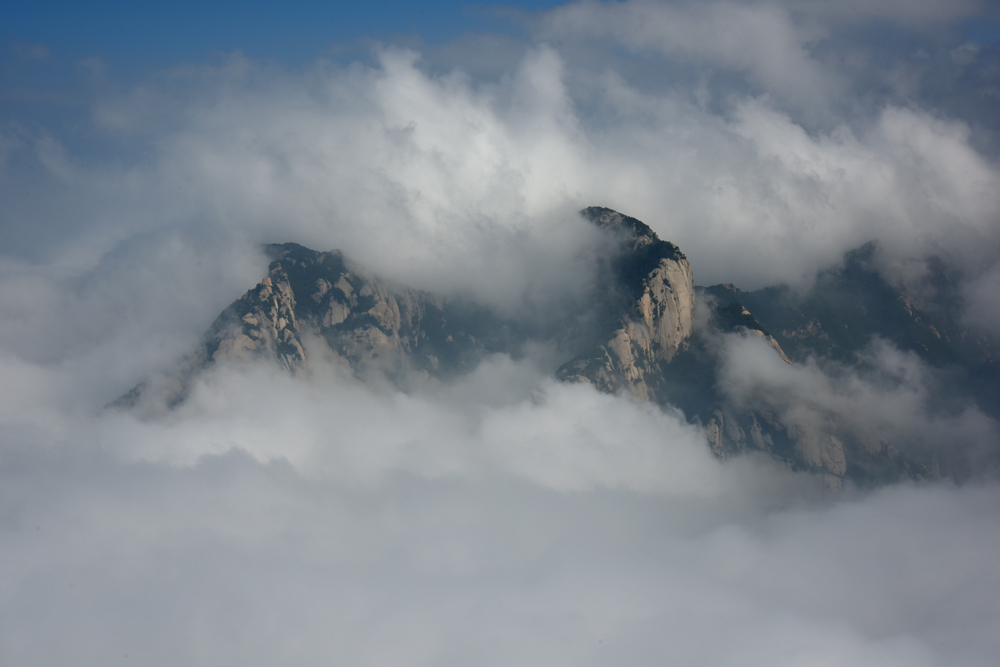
{"x":501,"y":517}
{"x":163,"y":34}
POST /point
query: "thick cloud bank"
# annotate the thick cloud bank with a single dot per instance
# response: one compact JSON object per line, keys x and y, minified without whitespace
{"x":507,"y":519}
{"x":500,"y":518}
{"x":420,"y":169}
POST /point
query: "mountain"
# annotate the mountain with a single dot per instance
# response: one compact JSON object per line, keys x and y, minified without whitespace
{"x":649,"y":300}
{"x":648,"y":332}
{"x":833,"y":325}
{"x":851,"y":304}
{"x":365,"y":321}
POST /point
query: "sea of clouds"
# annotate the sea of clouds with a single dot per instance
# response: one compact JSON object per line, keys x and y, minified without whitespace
{"x":502,"y":517}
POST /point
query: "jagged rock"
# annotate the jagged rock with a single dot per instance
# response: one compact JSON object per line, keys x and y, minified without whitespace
{"x":262,"y":324}
{"x":654,"y":310}
{"x":367,"y":322}
{"x":641,"y":338}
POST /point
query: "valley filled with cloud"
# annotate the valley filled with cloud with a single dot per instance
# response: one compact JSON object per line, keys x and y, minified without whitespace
{"x":499,"y":516}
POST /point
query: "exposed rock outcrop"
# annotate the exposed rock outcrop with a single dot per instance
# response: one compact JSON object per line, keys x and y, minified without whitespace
{"x":652,"y":315}
{"x":365,"y":321}
{"x":641,"y":338}
{"x":261,"y":324}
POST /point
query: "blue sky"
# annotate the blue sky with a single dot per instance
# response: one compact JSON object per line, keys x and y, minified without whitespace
{"x":157,"y":34}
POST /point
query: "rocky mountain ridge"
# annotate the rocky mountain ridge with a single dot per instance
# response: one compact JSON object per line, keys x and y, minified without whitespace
{"x":645,"y":340}
{"x":652,"y":314}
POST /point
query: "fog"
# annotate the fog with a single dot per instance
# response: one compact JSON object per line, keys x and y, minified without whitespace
{"x":888,"y":396}
{"x":500,"y":517}
{"x":503,"y":519}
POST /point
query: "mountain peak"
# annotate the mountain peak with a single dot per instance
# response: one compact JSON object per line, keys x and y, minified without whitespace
{"x":637,"y":334}
{"x":636,"y":230}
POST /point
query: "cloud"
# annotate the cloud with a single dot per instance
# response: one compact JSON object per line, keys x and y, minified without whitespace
{"x":889,"y":399}
{"x":453,"y":184}
{"x":760,"y":41}
{"x":506,"y":417}
{"x":925,"y":14}
{"x":278,"y":520}
{"x":502,"y":517}
{"x":28,"y":51}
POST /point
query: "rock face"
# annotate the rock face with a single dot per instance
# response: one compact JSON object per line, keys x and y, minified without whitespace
{"x":262,"y":323}
{"x":365,"y":321}
{"x":641,"y":339}
{"x":650,"y":315}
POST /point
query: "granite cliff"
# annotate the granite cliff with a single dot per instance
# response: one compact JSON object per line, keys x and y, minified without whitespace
{"x":650,"y":301}
{"x":366,"y":322}
{"x":644,"y":337}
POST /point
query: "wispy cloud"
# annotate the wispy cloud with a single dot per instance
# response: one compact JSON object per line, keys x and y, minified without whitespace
{"x":502,"y":518}
{"x":28,"y":51}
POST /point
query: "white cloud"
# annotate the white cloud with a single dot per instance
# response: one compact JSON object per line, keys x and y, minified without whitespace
{"x":448,"y":183}
{"x":502,"y":518}
{"x":506,"y":417}
{"x":275,"y":521}
{"x":761,"y":41}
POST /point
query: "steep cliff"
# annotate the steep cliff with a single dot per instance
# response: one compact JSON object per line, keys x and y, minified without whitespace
{"x":652,"y":302}
{"x":641,"y":337}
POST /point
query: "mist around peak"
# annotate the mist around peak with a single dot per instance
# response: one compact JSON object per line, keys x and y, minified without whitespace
{"x":499,"y":515}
